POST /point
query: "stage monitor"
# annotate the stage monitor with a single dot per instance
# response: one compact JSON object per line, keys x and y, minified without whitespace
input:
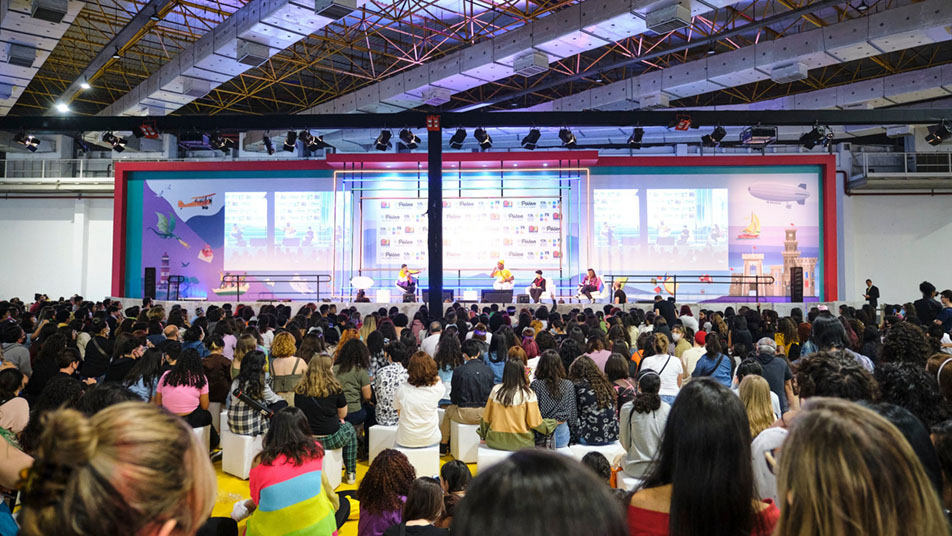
{"x":447,"y":295}
{"x":497,"y":296}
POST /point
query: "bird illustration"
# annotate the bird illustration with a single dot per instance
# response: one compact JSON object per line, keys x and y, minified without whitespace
{"x":185,"y":264}
{"x":166,"y":228}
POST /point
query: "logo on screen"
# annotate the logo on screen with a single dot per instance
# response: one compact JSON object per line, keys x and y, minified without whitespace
{"x":557,"y":216}
{"x":494,"y":254}
{"x":507,"y":241}
{"x":384,"y":204}
{"x":506,"y":203}
{"x":556,"y":254}
{"x":493,"y":216}
{"x":446,"y":204}
{"x":408,"y":230}
{"x":384,"y":242}
{"x":533,"y":228}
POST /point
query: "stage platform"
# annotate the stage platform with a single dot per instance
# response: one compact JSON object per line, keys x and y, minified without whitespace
{"x":411,"y":308}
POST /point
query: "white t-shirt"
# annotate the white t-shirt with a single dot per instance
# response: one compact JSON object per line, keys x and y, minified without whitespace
{"x":690,"y":357}
{"x":419,"y":422}
{"x":669,"y":374}
{"x":429,"y":344}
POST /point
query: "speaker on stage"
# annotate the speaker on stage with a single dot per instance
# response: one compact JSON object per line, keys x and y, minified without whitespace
{"x":149,"y":283}
{"x":796,"y":283}
{"x":447,"y":295}
{"x":497,"y":296}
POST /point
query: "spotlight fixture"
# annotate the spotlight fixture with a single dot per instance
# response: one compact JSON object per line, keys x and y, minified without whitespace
{"x":714,"y":138}
{"x":62,"y":107}
{"x":382,"y":143}
{"x":316,"y":143}
{"x":221,"y":143}
{"x":306,"y":138}
{"x":118,"y":143}
{"x":268,"y":144}
{"x":29,"y":141}
{"x":85,"y":84}
{"x":81,"y":144}
{"x":290,"y":141}
{"x":116,"y":55}
{"x":634,"y":141}
{"x":568,"y":139}
{"x":482,"y":137}
{"x":938,"y":133}
{"x":532,"y":139}
{"x":817,"y":136}
{"x":863,"y":7}
{"x":711,"y":51}
{"x":456,"y":142}
{"x":411,"y":140}
{"x":154,"y":17}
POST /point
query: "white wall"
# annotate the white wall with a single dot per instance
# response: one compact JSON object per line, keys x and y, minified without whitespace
{"x":897,"y":241}
{"x":59,"y":247}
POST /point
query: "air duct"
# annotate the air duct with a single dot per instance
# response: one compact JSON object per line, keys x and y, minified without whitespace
{"x":668,"y":19}
{"x":49,"y":10}
{"x":21,"y":55}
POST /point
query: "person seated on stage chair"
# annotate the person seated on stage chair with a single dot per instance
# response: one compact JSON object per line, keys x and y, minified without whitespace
{"x":504,"y":278}
{"x":589,"y":284}
{"x":537,"y":289}
{"x":405,"y":279}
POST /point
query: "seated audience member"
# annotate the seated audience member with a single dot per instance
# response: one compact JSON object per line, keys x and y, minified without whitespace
{"x":143,"y":379}
{"x":715,"y":363}
{"x":101,"y":396}
{"x":556,"y":396}
{"x":418,"y":401}
{"x":834,"y":374}
{"x":905,"y":343}
{"x":666,"y":365}
{"x":777,"y":373}
{"x":448,"y":357}
{"x":512,"y":412}
{"x":455,"y":477}
{"x":911,"y":387}
{"x":942,"y":441}
{"x":595,"y":399}
{"x":383,"y":492}
{"x":602,"y":469}
{"x":642,"y":423}
{"x":322,"y":399}
{"x":289,"y":494}
{"x":130,"y":469}
{"x":471,"y":384}
{"x":681,"y":343}
{"x":683,"y":492}
{"x":387,"y":380}
{"x":525,"y":494}
{"x":193,"y":339}
{"x":916,"y":434}
{"x":846,"y":470}
{"x":184,"y":392}
{"x":45,"y":366}
{"x":352,"y":370}
{"x":692,"y":355}
{"x":62,"y":392}
{"x":13,"y":350}
{"x":618,"y":373}
{"x":754,"y":392}
{"x":14,"y":409}
{"x":99,"y":350}
{"x":829,"y":334}
{"x":751,"y":366}
{"x":286,"y":368}
{"x":252,"y":381}
{"x":764,"y":452}
{"x":126,"y":351}
{"x":217,"y":369}
{"x":424,"y":507}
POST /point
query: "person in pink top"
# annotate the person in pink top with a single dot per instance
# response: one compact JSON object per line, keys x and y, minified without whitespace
{"x":590,"y":283}
{"x":183,"y":390}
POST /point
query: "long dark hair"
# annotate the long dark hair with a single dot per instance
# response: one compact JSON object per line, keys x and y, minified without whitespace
{"x":251,"y":374}
{"x":647,"y":399}
{"x":448,"y":353}
{"x":707,"y":422}
{"x":290,"y":436}
{"x":585,"y":371}
{"x":551,"y":371}
{"x":354,"y":354}
{"x":424,"y":500}
{"x":513,"y":381}
{"x":456,"y":475}
{"x":187,"y":371}
{"x":503,"y":339}
{"x":147,"y":368}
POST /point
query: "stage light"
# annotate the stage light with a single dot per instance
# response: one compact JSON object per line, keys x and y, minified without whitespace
{"x":817,"y":136}
{"x":456,"y":142}
{"x":482,"y":137}
{"x":118,"y":144}
{"x":317,"y":143}
{"x":154,"y":17}
{"x":711,"y":51}
{"x":62,"y":107}
{"x":29,"y":141}
{"x":714,"y":138}
{"x":532,"y":139}
{"x":290,"y":141}
{"x":221,"y":143}
{"x":116,"y":55}
{"x":568,"y":139}
{"x":938,"y":133}
{"x":863,"y":7}
{"x":411,"y":140}
{"x":306,"y":138}
{"x":84,"y":84}
{"x":382,"y":143}
{"x":268,"y":144}
{"x":634,"y":141}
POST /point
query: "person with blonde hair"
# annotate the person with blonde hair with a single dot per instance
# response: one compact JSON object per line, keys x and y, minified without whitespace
{"x":286,"y":368}
{"x":755,"y":394}
{"x":132,"y":468}
{"x":246,"y":343}
{"x":667,"y":366}
{"x":321,"y":397}
{"x":369,"y":326}
{"x":847,"y":471}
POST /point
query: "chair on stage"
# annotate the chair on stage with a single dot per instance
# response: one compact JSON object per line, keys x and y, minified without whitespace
{"x":551,"y":291}
{"x":361,"y":282}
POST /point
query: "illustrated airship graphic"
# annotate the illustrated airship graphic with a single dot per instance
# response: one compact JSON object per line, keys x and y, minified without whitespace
{"x":780,"y":193}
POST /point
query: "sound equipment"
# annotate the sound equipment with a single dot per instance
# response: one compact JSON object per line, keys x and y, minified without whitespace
{"x":497,"y":296}
{"x":409,"y":298}
{"x":149,"y":282}
{"x":796,"y":283}
{"x":522,"y":298}
{"x":447,"y":295}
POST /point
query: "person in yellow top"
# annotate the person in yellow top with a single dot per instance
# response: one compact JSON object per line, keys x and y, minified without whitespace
{"x":405,"y":279}
{"x":504,"y":278}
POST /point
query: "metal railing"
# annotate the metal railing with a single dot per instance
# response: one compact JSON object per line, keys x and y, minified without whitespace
{"x":676,"y":280}
{"x":238,"y":284}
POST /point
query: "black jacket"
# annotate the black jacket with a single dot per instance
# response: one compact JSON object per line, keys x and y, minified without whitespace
{"x":472,"y":383}
{"x":927,"y":309}
{"x":873,"y":293}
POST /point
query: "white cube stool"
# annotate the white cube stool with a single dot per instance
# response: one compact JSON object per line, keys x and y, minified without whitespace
{"x":238,"y":451}
{"x":215,"y":408}
{"x":223,"y":421}
{"x":610,"y":451}
{"x":440,"y":413}
{"x":332,"y":465}
{"x":487,"y":457}
{"x":381,"y":438}
{"x":464,"y":441}
{"x":625,"y":482}
{"x":425,"y":460}
{"x":204,"y":436}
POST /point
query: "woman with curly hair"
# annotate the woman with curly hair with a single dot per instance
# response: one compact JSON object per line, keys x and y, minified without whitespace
{"x":449,"y":355}
{"x":322,"y":399}
{"x":912,"y":387}
{"x":595,"y":399}
{"x":417,"y":401}
{"x":352,"y":370}
{"x":906,"y":343}
{"x":183,"y":390}
{"x":383,"y":491}
{"x":286,"y":368}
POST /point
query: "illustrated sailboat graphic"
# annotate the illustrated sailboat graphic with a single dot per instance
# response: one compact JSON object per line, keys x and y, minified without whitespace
{"x":752,"y":231}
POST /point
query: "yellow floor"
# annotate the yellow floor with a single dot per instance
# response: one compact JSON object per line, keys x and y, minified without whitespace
{"x":231,"y":489}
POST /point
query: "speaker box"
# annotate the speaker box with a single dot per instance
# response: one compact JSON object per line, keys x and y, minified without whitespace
{"x":447,"y":295}
{"x":148,"y":281}
{"x":522,"y":298}
{"x":497,"y":296}
{"x":796,"y":283}
{"x":409,"y":298}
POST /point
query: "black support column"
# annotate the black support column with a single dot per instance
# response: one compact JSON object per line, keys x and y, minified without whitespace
{"x":434,"y":202}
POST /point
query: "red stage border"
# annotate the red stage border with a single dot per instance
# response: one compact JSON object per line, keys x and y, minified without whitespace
{"x":554,"y":158}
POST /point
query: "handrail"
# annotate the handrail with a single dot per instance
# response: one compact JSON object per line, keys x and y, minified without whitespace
{"x":175,"y":280}
{"x":234,"y":281}
{"x":695,"y":279}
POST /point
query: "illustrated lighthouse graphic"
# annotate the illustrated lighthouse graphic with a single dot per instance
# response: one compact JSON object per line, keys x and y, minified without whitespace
{"x":164,"y":273}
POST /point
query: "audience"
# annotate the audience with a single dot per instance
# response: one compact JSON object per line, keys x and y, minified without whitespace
{"x":417,"y":401}
{"x":512,"y":412}
{"x":455,"y":477}
{"x":595,"y":399}
{"x":643,"y":422}
{"x":754,"y":392}
{"x":286,"y":368}
{"x":472,"y":382}
{"x":383,"y":492}
{"x":423,"y":508}
{"x":556,"y":396}
{"x":321,"y":397}
{"x":387,"y":380}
